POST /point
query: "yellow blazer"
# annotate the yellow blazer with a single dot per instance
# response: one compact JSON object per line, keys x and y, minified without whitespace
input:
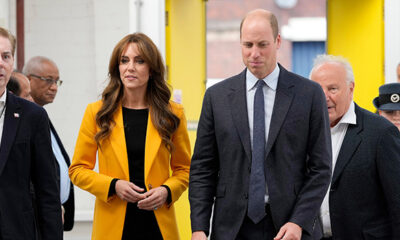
{"x":109,"y":212}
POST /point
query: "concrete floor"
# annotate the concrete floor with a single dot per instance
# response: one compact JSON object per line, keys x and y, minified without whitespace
{"x":81,"y":231}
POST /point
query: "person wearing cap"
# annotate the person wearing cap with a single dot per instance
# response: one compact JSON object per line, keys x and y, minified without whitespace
{"x":388,"y":103}
{"x":363,"y":201}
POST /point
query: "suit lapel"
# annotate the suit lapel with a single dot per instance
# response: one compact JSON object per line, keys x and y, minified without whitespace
{"x":12,"y":117}
{"x":283,"y":99}
{"x":118,"y":143}
{"x":153,"y":143}
{"x":238,"y":106}
{"x":350,"y":144}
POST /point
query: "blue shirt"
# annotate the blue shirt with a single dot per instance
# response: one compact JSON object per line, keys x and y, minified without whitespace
{"x":269,"y":90}
{"x":64,"y":178}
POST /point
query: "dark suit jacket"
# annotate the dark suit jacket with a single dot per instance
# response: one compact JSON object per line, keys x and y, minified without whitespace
{"x":298,"y":157}
{"x":26,"y":155}
{"x":69,"y":205}
{"x":364,"y":197}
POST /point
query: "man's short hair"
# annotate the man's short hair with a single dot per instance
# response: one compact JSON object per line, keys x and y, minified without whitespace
{"x":14,"y":86}
{"x":325,"y":58}
{"x":5,"y":33}
{"x":35,"y":64}
{"x":272,"y":20}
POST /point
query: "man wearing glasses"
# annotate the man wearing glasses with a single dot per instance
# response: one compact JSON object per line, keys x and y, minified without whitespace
{"x":44,"y":79}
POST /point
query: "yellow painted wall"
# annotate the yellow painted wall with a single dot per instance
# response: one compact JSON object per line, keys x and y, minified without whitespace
{"x":356,"y":32}
{"x":186,"y":64}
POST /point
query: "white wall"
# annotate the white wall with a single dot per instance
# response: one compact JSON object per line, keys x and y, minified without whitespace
{"x":392,"y":39}
{"x":4,"y":13}
{"x":79,"y":35}
{"x":151,"y":20}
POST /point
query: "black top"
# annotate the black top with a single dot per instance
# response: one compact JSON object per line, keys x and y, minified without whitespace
{"x":139,"y":224}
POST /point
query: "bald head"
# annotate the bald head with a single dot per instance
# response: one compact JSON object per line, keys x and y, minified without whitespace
{"x":262,"y":14}
{"x":35,"y":64}
{"x":398,"y":72}
{"x":42,"y":73}
{"x":259,"y":42}
{"x":24,"y":86}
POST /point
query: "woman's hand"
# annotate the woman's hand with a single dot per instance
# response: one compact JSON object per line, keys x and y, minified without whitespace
{"x":154,"y":199}
{"x":128,"y":191}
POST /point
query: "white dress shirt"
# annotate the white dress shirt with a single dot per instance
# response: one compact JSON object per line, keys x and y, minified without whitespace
{"x":337,"y":135}
{"x":64,"y":178}
{"x":2,"y":112}
{"x":269,"y":90}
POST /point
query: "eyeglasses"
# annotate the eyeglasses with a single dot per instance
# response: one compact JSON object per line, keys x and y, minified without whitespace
{"x":49,"y":81}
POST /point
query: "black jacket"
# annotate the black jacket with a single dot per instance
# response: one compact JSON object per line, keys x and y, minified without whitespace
{"x":364,"y":201}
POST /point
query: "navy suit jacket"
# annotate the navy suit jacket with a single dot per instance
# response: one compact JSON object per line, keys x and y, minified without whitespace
{"x":26,"y":156}
{"x":297,"y":164}
{"x":69,"y":205}
{"x":364,"y":196}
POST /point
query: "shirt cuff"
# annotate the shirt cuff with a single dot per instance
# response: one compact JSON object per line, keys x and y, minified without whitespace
{"x":169,"y":198}
{"x":111,"y":190}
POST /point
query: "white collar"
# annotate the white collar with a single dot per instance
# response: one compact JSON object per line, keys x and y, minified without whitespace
{"x":3,"y":97}
{"x":349,"y":117}
{"x":271,"y":80}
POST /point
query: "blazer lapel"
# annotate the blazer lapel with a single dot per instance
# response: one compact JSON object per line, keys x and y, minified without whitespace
{"x":12,"y":117}
{"x":350,"y":144}
{"x":118,"y":143}
{"x":283,"y":99}
{"x":153,"y":143}
{"x":238,"y":106}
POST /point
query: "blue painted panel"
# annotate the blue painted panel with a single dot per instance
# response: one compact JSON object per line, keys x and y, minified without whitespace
{"x":303,"y":54}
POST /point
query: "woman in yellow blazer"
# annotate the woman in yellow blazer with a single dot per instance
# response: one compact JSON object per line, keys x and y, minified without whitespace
{"x":138,"y":135}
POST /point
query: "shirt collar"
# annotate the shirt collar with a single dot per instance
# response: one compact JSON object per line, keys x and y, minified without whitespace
{"x":4,"y":97}
{"x":349,"y":117}
{"x":271,"y":80}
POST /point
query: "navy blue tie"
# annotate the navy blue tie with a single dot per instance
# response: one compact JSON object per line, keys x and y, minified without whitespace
{"x":257,"y":188}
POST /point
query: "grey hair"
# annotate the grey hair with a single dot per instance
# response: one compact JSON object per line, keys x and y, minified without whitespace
{"x":325,"y":58}
{"x":35,"y":63}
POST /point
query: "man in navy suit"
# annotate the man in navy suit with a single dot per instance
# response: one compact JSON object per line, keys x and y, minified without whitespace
{"x":364,"y":197}
{"x":44,"y":80}
{"x":25,"y":157}
{"x":263,"y":151}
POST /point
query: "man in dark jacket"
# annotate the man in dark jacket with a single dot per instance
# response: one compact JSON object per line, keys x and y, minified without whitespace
{"x":25,"y":157}
{"x":364,"y":197}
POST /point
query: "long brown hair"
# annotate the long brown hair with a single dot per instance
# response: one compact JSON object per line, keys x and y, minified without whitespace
{"x":158,"y":93}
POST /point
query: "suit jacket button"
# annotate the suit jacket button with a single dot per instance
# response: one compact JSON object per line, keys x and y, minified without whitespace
{"x":245,"y":195}
{"x":249,"y":168}
{"x":332,"y":190}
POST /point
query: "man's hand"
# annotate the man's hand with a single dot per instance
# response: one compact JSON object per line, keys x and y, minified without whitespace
{"x":128,"y":191}
{"x":199,"y":235}
{"x":289,"y":231}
